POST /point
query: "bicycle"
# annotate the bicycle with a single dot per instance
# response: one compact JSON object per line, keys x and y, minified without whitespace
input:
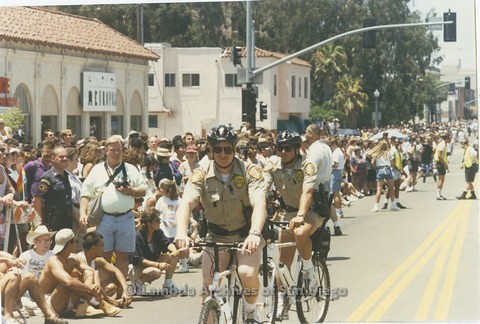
{"x":224,"y":304}
{"x":311,"y":306}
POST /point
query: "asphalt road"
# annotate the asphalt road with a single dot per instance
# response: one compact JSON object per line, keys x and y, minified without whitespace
{"x":418,"y":264}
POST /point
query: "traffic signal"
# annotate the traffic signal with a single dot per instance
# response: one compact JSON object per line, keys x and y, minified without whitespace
{"x":450,"y":30}
{"x":249,"y":103}
{"x":263,"y":111}
{"x":369,"y":37}
{"x":236,"y":57}
{"x":467,"y":83}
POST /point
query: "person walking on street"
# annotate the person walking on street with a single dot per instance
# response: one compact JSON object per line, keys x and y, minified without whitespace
{"x":441,"y":163}
{"x":470,"y":164}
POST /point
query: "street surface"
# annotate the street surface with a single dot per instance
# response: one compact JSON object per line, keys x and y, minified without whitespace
{"x":418,"y":264}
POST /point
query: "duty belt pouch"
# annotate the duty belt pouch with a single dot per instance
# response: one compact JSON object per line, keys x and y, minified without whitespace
{"x":321,"y":205}
{"x":202,"y":225}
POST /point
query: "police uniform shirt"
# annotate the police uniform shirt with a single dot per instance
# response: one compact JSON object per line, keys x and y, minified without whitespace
{"x":56,"y":194}
{"x":224,"y":203}
{"x":288,"y":182}
{"x":319,"y":162}
{"x":113,"y":201}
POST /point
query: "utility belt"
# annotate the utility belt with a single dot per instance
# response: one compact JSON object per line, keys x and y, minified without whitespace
{"x":218,"y":230}
{"x":321,"y":202}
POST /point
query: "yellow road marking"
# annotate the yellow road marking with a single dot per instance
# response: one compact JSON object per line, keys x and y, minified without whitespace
{"x":383,"y":307}
{"x":360,"y":312}
{"x":443,"y":305}
{"x":426,"y":302}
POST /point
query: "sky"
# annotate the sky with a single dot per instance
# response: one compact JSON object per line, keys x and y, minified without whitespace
{"x":463,"y":50}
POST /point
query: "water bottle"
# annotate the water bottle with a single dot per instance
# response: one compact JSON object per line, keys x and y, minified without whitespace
{"x":285,"y":275}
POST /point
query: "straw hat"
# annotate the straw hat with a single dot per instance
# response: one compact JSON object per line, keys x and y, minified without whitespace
{"x":163,"y":152}
{"x":39,"y":231}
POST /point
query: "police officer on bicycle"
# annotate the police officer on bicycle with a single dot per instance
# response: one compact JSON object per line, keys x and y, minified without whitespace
{"x":294,"y":180}
{"x":234,"y":197}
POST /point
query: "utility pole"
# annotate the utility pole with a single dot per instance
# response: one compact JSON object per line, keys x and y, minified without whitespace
{"x":251,"y":90}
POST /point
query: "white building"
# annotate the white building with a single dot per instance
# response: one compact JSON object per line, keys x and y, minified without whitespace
{"x":47,"y":56}
{"x":194,"y":89}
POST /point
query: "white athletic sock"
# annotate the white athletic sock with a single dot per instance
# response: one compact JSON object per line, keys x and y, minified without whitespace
{"x":167,"y":283}
{"x":249,"y":307}
{"x":335,"y":223}
{"x":307,"y":264}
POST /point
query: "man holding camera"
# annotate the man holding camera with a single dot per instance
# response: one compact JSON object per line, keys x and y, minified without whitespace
{"x":127,"y":183}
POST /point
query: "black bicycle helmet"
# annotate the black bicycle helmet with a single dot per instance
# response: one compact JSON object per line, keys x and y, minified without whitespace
{"x":222,"y":133}
{"x":289,"y":137}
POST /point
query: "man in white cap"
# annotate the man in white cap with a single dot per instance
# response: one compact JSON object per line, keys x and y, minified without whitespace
{"x":60,"y":278}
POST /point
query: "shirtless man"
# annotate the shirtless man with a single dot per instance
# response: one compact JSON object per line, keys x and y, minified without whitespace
{"x":111,"y":279}
{"x":68,"y":279}
{"x":14,"y":284}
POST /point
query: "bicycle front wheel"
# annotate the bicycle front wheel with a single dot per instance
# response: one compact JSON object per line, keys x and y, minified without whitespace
{"x":312,"y":306}
{"x":210,"y":313}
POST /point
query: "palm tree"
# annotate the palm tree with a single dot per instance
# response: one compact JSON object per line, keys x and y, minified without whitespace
{"x":350,"y":99}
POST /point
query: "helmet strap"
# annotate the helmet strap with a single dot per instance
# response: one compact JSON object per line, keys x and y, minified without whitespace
{"x":292,"y":160}
{"x":221,"y":167}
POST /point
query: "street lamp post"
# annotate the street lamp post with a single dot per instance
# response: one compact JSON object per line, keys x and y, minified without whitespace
{"x":376,"y":94}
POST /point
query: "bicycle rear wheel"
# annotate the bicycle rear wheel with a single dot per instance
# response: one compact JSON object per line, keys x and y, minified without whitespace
{"x":267,"y":295}
{"x":210,"y":313}
{"x":313,"y":307}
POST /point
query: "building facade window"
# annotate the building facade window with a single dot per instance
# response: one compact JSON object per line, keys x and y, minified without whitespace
{"x":117,"y":125}
{"x":275,"y":85}
{"x":49,"y":122}
{"x":231,"y":80}
{"x":151,"y":79}
{"x":170,"y":80}
{"x":136,"y":122}
{"x":305,"y":87}
{"x":190,"y":80}
{"x":75,"y":124}
{"x":299,"y":87}
{"x":293,"y":86}
{"x":152,"y":121}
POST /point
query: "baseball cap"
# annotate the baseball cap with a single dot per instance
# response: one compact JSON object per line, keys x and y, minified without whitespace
{"x":63,"y":236}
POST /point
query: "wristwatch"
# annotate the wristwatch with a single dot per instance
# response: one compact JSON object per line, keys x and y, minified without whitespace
{"x":255,"y":232}
{"x":301,"y":215}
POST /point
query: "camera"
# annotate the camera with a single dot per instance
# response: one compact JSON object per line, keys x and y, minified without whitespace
{"x":121,"y":183}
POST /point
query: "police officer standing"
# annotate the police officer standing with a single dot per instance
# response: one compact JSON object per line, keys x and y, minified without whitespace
{"x":53,"y":195}
{"x":229,"y":189}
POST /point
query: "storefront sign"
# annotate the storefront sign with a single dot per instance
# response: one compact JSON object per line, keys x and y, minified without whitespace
{"x":99,"y":91}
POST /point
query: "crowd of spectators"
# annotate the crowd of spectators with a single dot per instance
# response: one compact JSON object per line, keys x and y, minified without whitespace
{"x":85,"y":272}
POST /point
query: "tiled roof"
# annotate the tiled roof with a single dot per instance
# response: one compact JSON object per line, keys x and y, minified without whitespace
{"x":61,"y":30}
{"x":227,"y":52}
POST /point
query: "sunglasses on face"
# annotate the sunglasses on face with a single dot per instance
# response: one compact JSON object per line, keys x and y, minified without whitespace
{"x":286,"y":148}
{"x":227,"y":149}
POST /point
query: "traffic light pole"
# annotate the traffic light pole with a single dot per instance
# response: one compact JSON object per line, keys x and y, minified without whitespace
{"x":352,"y":32}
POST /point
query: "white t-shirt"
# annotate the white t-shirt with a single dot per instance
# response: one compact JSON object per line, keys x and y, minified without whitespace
{"x":339,"y":157}
{"x":168,"y":211}
{"x":35,"y":262}
{"x":384,"y":160}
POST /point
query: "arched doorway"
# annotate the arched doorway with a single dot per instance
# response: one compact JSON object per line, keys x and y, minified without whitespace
{"x":136,"y":112}
{"x":25,"y":105}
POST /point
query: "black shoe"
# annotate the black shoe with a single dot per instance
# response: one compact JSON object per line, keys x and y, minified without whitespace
{"x":385,"y":205}
{"x":338,"y":231}
{"x":462,"y":196}
{"x":472,"y":196}
{"x":399,"y":205}
{"x":441,"y":198}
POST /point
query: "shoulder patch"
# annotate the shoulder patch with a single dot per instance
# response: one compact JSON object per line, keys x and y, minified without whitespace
{"x":255,"y":172}
{"x":197,"y":175}
{"x":309,"y":169}
{"x":44,"y":185}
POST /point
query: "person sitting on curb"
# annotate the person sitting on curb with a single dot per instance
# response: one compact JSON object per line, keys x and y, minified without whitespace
{"x":67,"y":280}
{"x":34,"y":260}
{"x":14,"y":284}
{"x":150,"y":257}
{"x":111,"y":279}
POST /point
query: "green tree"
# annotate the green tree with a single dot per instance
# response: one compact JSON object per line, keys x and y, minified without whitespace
{"x":13,"y":118}
{"x":350,"y":99}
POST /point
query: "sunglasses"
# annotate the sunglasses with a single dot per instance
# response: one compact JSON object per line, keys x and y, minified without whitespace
{"x":286,"y":148}
{"x":227,"y":149}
